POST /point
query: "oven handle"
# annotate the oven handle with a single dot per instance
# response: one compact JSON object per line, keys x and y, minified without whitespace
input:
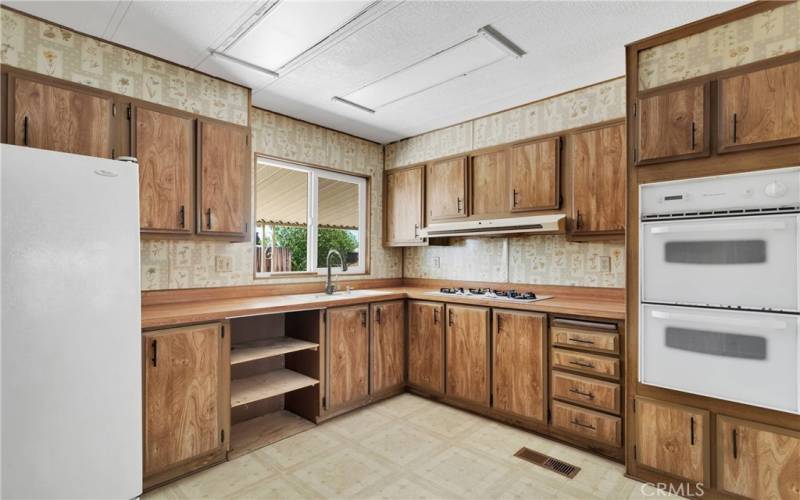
{"x":720,"y":320}
{"x":730,"y":226}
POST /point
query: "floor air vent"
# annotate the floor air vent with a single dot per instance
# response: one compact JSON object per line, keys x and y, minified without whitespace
{"x":550,"y":463}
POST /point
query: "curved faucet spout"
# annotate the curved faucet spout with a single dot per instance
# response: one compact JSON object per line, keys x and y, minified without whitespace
{"x":330,"y":288}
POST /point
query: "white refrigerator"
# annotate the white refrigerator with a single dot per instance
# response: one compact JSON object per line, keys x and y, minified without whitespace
{"x":70,"y":329}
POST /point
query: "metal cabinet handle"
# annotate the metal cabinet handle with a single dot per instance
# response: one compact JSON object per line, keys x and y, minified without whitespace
{"x":577,"y":391}
{"x":208,"y":219}
{"x":450,"y":319}
{"x":735,"y":451}
{"x":691,"y":429}
{"x":581,"y":363}
{"x":734,"y":127}
{"x":25,"y":125}
{"x":514,"y":193}
{"x":459,"y":205}
{"x":364,"y":318}
{"x":182,"y":216}
{"x":154,"y":359}
{"x":416,"y":231}
{"x":436,"y":316}
{"x":578,"y":220}
{"x":580,"y":341}
{"x":694,"y":130}
{"x":378,"y":315}
{"x":580,"y":424}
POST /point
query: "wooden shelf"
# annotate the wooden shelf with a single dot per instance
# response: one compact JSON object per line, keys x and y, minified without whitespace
{"x":258,"y":432}
{"x":267,"y":385}
{"x":267,"y":348}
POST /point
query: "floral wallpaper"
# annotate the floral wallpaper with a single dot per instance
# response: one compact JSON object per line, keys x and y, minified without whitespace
{"x":764,"y":35}
{"x":191,"y":263}
{"x":37,"y":46}
{"x":598,"y":103}
{"x":534,"y":259}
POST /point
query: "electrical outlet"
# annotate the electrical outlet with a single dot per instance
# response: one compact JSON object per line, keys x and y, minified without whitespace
{"x":604,"y":264}
{"x":437,"y":262}
{"x":223,"y":263}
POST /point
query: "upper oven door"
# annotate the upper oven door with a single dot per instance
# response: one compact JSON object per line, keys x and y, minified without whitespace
{"x":748,"y":262}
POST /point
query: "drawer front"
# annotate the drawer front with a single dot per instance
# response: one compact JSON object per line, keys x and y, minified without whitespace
{"x":587,"y":423}
{"x":586,"y":391}
{"x":603,"y":366}
{"x":585,"y":339}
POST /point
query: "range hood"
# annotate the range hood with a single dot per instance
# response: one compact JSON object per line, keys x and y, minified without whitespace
{"x":553,"y":223}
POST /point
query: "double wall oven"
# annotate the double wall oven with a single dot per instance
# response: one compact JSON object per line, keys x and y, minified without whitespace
{"x":719,"y":287}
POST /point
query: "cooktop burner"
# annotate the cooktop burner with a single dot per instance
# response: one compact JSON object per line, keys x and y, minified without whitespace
{"x":493,"y":293}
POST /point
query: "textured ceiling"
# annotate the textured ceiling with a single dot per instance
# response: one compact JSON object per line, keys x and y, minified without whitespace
{"x":568,"y":45}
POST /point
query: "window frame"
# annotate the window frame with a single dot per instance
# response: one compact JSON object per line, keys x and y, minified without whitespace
{"x":314,"y":174}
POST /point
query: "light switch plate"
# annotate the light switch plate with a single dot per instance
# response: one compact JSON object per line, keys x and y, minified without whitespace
{"x":437,"y":262}
{"x":223,"y":263}
{"x":605,"y":264}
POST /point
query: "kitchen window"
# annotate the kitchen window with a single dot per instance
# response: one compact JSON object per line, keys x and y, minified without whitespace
{"x":301,"y":213}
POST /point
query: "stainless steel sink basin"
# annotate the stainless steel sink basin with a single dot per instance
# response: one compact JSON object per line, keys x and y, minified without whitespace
{"x":343,"y":294}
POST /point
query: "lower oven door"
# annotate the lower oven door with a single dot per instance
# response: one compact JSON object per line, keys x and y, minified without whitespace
{"x":748,"y":262}
{"x":745,"y":357}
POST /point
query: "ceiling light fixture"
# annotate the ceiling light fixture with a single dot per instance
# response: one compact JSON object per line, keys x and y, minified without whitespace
{"x":497,"y":38}
{"x":353,"y":104}
{"x":246,"y":64}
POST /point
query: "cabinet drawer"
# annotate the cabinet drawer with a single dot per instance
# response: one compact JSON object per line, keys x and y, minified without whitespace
{"x":590,"y":424}
{"x":585,"y":339}
{"x":587,"y":391}
{"x":603,"y":366}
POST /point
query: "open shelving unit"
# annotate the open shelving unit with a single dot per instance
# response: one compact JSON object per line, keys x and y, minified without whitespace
{"x":275,"y":378}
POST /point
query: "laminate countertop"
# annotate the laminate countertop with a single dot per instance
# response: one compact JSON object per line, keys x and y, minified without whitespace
{"x":181,"y":313}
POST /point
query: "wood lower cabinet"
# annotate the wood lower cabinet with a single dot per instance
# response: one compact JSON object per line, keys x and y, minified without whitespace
{"x":446,"y":189}
{"x":467,"y":345}
{"x":673,"y":125}
{"x":760,"y":108}
{"x":490,"y":194}
{"x":757,"y":461}
{"x":60,"y":117}
{"x":184,"y":400}
{"x":520,"y":364}
{"x":672,"y":439}
{"x":388,"y":332}
{"x":598,"y":180}
{"x":535,"y":175}
{"x":589,"y":424}
{"x":347,"y":357}
{"x":404,"y":194}
{"x":223,"y":175}
{"x":426,"y":346}
{"x":164,"y":144}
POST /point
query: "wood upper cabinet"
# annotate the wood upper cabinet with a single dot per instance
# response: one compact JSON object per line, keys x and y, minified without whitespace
{"x":60,"y":117}
{"x":426,"y":345}
{"x":520,"y":364}
{"x":467,"y":359}
{"x":535,"y":173}
{"x":490,"y":194}
{"x":404,"y":206}
{"x":446,"y":189}
{"x":387,"y":365}
{"x":673,"y":125}
{"x":756,"y":460}
{"x":164,"y":144}
{"x":184,"y":406}
{"x":598,"y":180}
{"x":760,"y":108}
{"x":223,"y":178}
{"x":672,"y":439}
{"x":347,"y":343}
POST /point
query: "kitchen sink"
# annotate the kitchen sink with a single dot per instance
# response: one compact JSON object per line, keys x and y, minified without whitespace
{"x":343,"y":294}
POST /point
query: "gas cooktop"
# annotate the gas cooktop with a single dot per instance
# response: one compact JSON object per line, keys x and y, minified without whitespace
{"x":492,"y":293}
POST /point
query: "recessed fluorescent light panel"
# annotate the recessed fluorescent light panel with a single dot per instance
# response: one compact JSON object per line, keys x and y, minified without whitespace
{"x":292,"y":27}
{"x":353,"y":104}
{"x":246,"y":64}
{"x":497,"y":38}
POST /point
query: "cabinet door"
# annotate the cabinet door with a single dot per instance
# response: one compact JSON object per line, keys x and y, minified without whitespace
{"x":183,"y":407}
{"x":467,"y":358}
{"x":224,"y":170}
{"x":165,"y":147}
{"x":404,"y":192}
{"x":490,"y":183}
{"x":535,"y":175}
{"x":519,"y":364}
{"x":761,"y":108}
{"x":672,"y":439}
{"x":673,"y":125}
{"x":388,"y":345}
{"x":598,"y":180}
{"x":348,"y":356}
{"x":426,"y":345}
{"x":756,"y":460}
{"x":61,"y":119}
{"x":446,"y":188}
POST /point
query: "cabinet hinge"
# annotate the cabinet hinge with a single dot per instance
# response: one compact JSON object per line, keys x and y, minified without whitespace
{"x":324,"y":402}
{"x":634,"y":154}
{"x":246,"y":226}
{"x":222,"y":435}
{"x":247,"y":140}
{"x":491,"y":399}
{"x":549,"y":414}
{"x":634,"y":452}
{"x":113,"y":110}
{"x":222,"y":331}
{"x":634,"y":109}
{"x":113,"y":153}
{"x":324,"y":318}
{"x":634,"y":406}
{"x":129,"y":111}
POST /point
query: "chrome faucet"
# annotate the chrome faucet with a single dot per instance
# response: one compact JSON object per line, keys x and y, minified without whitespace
{"x":330,"y":288}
